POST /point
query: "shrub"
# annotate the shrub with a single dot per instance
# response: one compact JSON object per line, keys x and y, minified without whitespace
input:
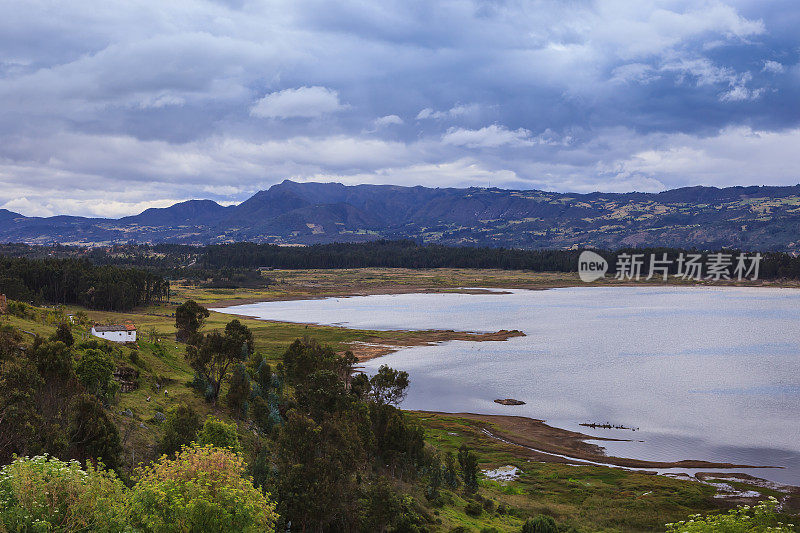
{"x":473,"y":509}
{"x":540,"y":524}
{"x":202,"y":489}
{"x":217,"y":433}
{"x":64,"y":334}
{"x":744,"y":519}
{"x":180,"y":429}
{"x":95,"y":370}
{"x":45,"y":494}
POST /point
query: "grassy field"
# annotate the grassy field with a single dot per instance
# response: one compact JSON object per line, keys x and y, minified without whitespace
{"x":298,"y":284}
{"x":585,"y":498}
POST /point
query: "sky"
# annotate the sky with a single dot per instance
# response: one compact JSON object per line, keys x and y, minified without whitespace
{"x":108,"y":108}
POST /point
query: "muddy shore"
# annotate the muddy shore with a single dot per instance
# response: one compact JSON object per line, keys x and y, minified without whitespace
{"x":531,"y":433}
{"x":372,"y":292}
{"x":378,"y":347}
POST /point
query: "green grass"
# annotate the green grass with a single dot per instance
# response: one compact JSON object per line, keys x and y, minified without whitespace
{"x":588,"y":498}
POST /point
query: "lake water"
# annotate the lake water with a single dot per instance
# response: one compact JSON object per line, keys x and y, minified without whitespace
{"x":704,"y":373}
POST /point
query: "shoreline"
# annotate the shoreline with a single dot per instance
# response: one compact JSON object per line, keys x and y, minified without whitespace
{"x":534,"y":440}
{"x":221,"y":304}
{"x":493,"y":286}
{"x":552,"y":444}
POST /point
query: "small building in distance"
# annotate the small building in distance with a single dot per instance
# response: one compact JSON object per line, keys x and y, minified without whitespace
{"x":116,"y":333}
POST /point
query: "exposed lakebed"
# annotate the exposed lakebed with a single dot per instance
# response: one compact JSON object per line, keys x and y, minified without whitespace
{"x":702,"y":373}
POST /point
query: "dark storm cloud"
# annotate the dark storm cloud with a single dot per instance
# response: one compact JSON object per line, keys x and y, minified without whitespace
{"x":110,"y":108}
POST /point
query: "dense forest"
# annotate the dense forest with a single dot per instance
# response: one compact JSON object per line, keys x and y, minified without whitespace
{"x":79,"y":282}
{"x":206,"y":262}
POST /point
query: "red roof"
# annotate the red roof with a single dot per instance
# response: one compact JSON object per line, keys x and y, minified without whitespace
{"x":116,"y":327}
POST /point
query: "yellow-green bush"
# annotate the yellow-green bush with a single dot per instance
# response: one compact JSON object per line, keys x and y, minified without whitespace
{"x":43,"y":493}
{"x":203,"y":489}
{"x":743,"y":519}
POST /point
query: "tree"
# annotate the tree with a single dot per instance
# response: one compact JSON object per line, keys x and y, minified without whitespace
{"x":399,"y":442}
{"x":189,"y":318}
{"x":95,"y":370}
{"x":217,"y":433}
{"x":53,"y":361}
{"x":322,"y":394}
{"x":239,"y":337}
{"x":63,"y":333}
{"x":388,"y":386}
{"x":387,"y":510}
{"x":239,"y":390}
{"x":449,"y":470}
{"x":10,"y":342}
{"x":202,"y":489}
{"x":468,"y":462}
{"x":359,"y":386}
{"x":92,"y":433}
{"x":45,"y":494}
{"x":20,"y":420}
{"x":215,"y":353}
{"x":317,"y":465}
{"x":264,"y":376}
{"x":304,"y":357}
{"x":74,"y":281}
{"x":180,"y":429}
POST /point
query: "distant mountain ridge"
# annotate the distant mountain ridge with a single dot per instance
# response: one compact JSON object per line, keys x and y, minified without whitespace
{"x":753,"y":218}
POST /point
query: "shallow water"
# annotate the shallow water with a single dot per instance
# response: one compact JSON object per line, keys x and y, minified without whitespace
{"x":704,"y":373}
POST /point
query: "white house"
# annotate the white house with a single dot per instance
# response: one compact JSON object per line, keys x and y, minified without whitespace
{"x":116,"y":333}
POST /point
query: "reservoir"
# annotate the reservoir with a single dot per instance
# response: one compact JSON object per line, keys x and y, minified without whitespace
{"x":701,"y":373}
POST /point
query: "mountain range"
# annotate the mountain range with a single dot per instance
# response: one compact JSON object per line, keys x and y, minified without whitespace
{"x":751,"y":218}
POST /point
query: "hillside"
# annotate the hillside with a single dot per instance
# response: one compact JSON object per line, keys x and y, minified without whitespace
{"x":754,"y":218}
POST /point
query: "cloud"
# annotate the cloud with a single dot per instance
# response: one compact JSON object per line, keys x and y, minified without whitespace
{"x":773,"y":67}
{"x":156,"y":102}
{"x":459,"y":110}
{"x":487,"y":137}
{"x":735,"y":156}
{"x":498,"y":135}
{"x":388,"y":120}
{"x":304,"y":102}
{"x":94,"y":207}
{"x":740,"y":93}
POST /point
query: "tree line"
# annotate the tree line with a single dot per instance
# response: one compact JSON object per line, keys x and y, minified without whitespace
{"x":410,"y":254}
{"x":233,"y":265}
{"x":79,"y":282}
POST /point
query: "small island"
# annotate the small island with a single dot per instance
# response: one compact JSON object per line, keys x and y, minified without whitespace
{"x":509,"y":401}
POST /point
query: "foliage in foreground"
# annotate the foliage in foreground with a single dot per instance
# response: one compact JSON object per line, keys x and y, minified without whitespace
{"x":46,"y":494}
{"x":202,"y":489}
{"x":743,"y":519}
